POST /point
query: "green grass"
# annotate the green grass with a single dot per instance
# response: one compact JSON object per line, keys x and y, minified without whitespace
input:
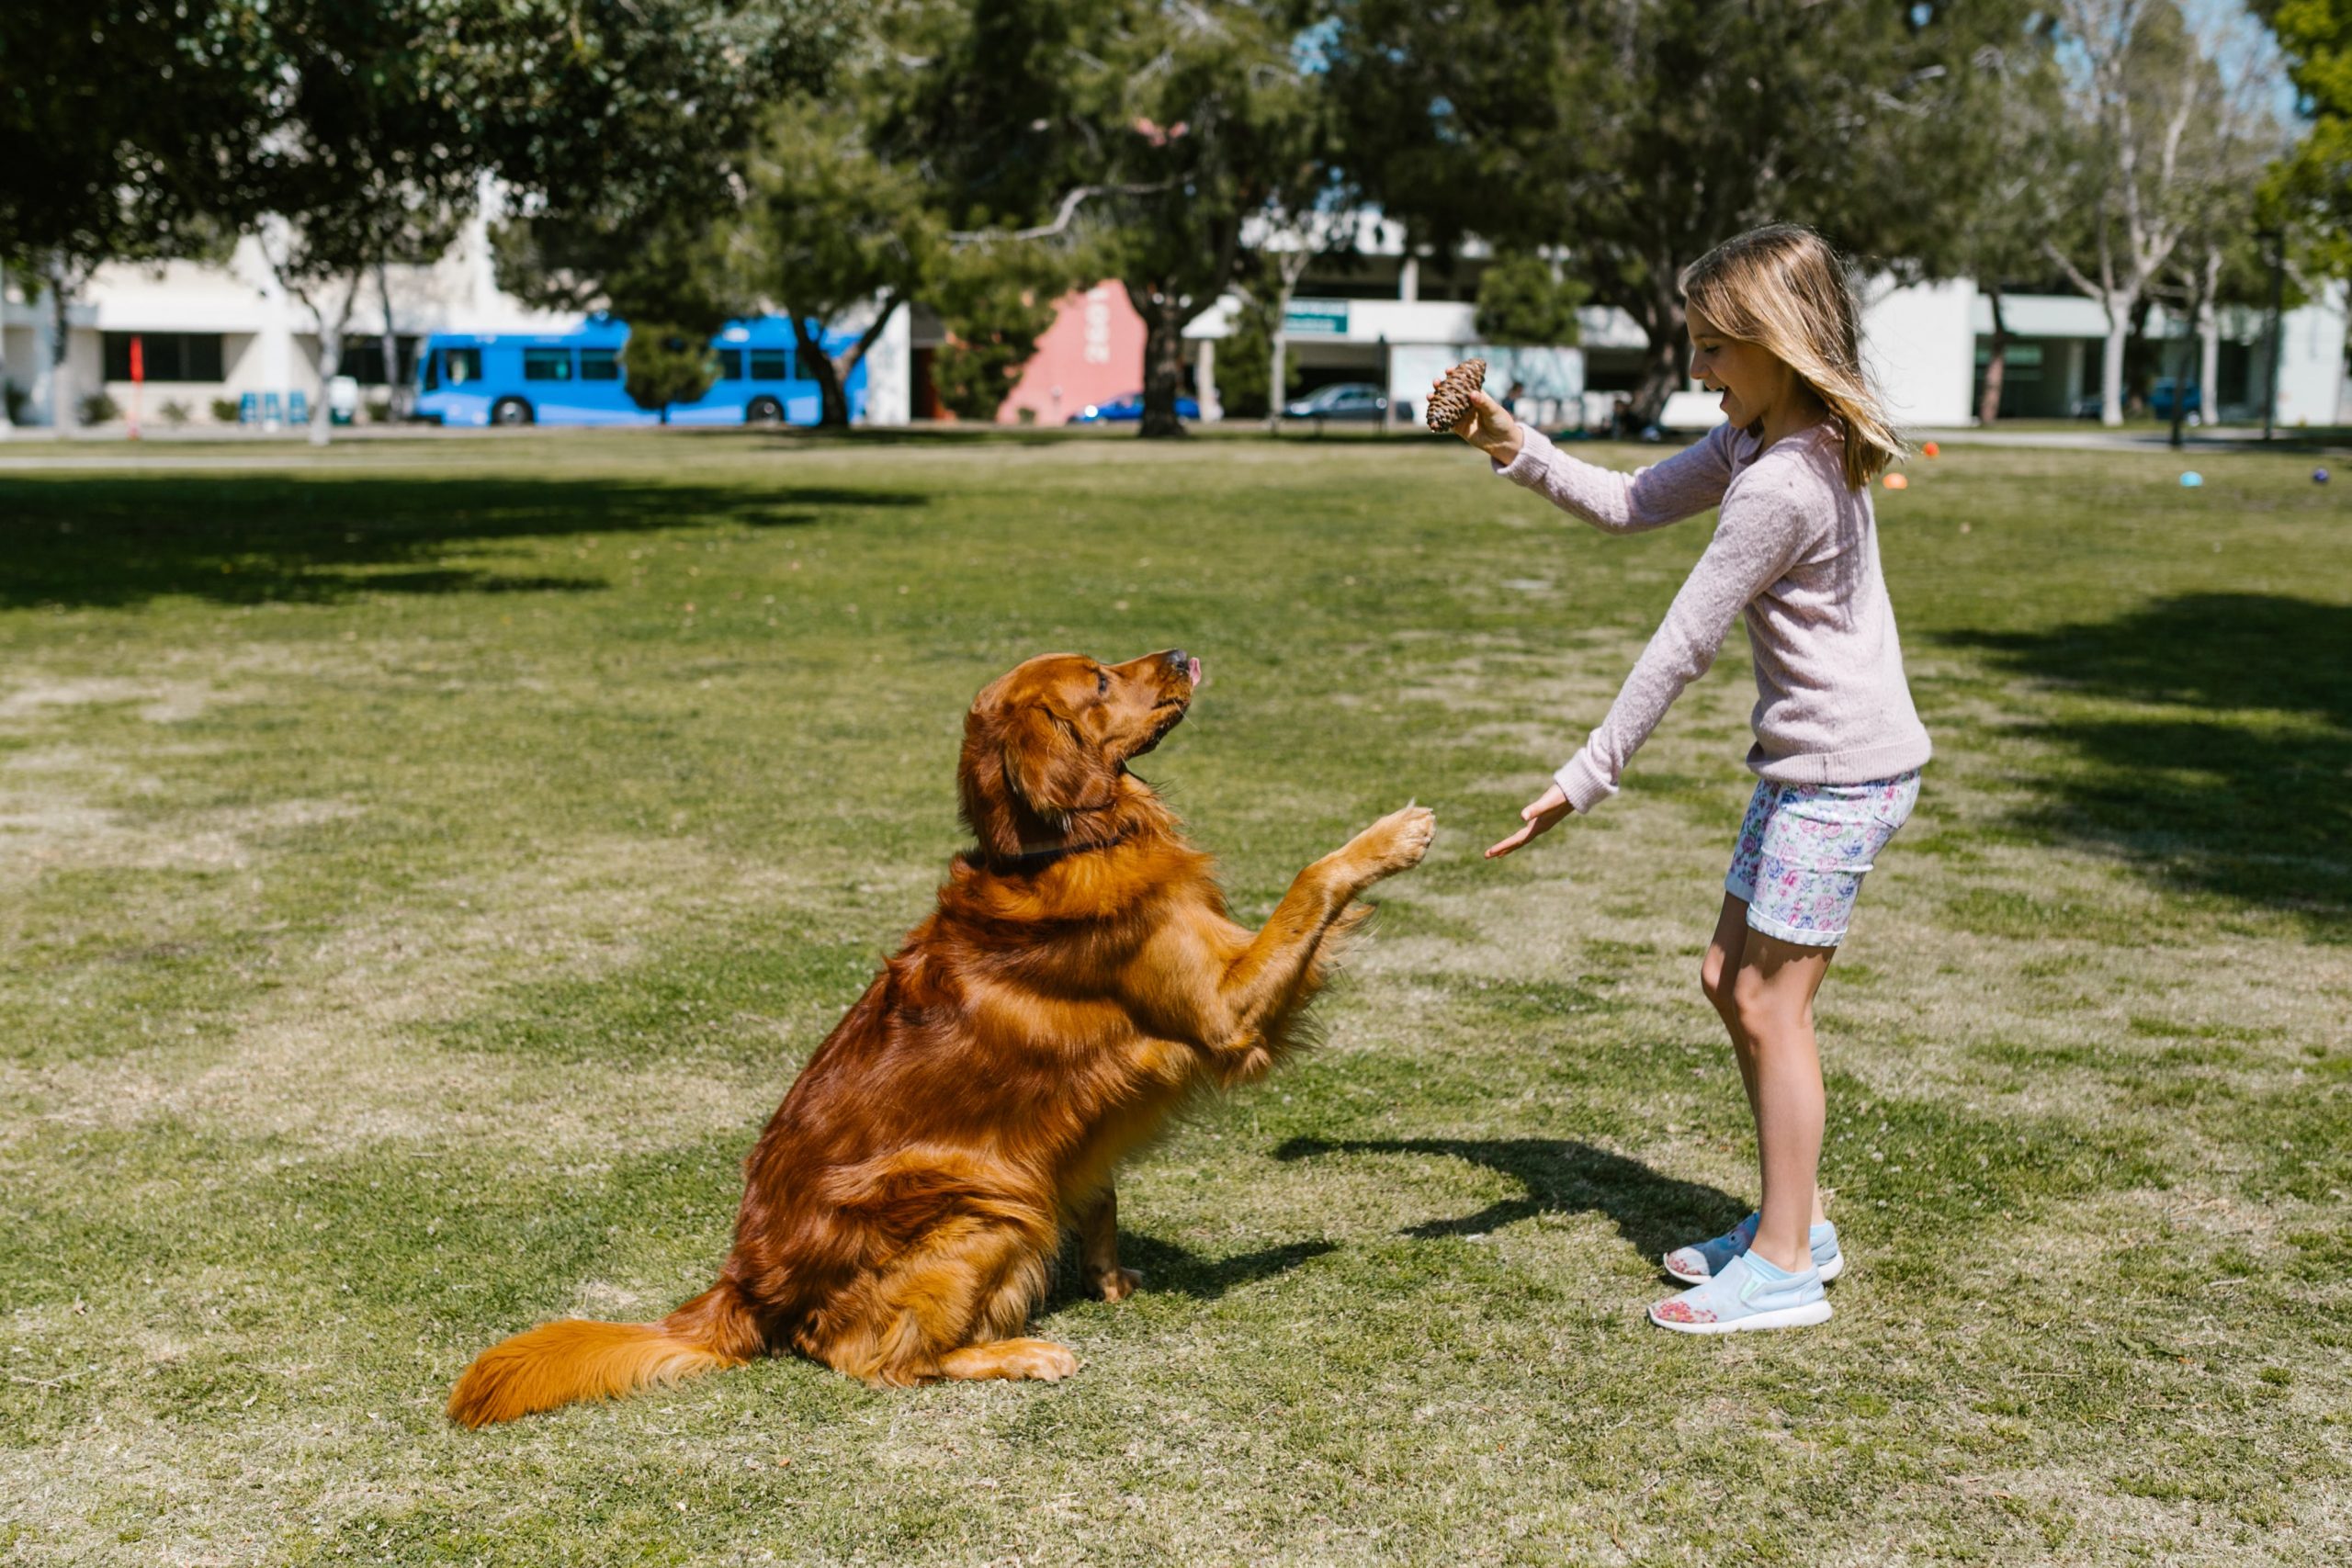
{"x":424,"y":867}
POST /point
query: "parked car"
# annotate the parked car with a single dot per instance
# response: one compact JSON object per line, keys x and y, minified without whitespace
{"x":1129,"y":410}
{"x":2160,"y":402}
{"x":1344,"y":400}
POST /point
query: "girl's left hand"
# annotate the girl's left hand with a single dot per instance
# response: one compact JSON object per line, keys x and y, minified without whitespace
{"x":1545,"y":812}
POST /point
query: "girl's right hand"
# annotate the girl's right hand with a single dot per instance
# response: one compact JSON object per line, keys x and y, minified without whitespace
{"x":1488,"y":426}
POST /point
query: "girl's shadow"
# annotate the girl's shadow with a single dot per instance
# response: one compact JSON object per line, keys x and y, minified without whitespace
{"x":1654,"y":1212}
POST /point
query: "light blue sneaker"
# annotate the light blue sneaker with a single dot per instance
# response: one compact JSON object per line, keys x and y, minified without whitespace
{"x":1697,"y":1265}
{"x":1751,"y":1292}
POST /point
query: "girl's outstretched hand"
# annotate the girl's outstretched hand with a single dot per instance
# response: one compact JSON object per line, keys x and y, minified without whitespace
{"x":1543,"y":814}
{"x":1487,"y":425}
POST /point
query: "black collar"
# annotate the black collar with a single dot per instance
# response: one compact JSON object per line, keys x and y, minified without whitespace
{"x":1038,"y":860}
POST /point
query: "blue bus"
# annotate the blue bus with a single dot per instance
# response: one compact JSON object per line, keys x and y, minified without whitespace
{"x":574,"y":378}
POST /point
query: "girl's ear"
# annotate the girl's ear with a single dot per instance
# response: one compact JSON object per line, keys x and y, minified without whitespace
{"x":1048,"y":770}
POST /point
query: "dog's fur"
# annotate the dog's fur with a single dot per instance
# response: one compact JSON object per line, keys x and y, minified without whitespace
{"x":1079,"y":981}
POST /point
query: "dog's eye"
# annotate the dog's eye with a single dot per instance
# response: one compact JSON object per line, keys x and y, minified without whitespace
{"x":1102,"y":682}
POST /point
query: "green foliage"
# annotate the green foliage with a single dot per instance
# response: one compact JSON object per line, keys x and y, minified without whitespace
{"x":995,"y":302}
{"x":664,"y":363}
{"x":1520,"y":301}
{"x":2313,"y":185}
{"x":1632,"y":137}
{"x":1245,"y":365}
{"x":99,"y":408}
{"x":1156,"y":134}
{"x":225,"y":410}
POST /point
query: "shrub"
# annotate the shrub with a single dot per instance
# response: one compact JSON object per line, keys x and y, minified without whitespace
{"x":226,"y":409}
{"x":100,"y":407}
{"x":380,"y":411}
{"x":176,"y":413}
{"x":16,"y":398}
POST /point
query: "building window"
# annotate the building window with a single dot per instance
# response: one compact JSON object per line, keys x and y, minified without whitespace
{"x":546,"y":365}
{"x":771,"y":365}
{"x":169,"y":356}
{"x":363,"y":360}
{"x":600,"y":363}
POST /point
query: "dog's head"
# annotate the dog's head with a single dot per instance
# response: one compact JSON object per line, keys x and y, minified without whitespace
{"x":1046,"y":748}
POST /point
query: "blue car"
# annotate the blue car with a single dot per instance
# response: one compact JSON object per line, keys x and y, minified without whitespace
{"x":1127,"y":410}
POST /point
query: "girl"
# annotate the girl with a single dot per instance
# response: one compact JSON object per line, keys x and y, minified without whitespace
{"x":1838,"y":747}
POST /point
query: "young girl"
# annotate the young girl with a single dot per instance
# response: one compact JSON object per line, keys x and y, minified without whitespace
{"x":1838,"y":747}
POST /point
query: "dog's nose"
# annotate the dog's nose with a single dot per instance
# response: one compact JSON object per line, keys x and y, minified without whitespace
{"x":1179,"y":660}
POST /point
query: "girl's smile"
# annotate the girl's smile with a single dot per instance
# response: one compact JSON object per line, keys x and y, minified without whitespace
{"x":1758,"y":390}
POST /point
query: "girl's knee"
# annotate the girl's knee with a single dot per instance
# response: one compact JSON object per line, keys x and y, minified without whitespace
{"x":1715,"y":979}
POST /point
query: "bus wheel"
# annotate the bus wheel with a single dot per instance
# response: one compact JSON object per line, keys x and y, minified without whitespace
{"x":763,"y":410}
{"x":510,"y":411}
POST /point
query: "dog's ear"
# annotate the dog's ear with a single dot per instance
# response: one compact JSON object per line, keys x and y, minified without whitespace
{"x":1049,"y":770}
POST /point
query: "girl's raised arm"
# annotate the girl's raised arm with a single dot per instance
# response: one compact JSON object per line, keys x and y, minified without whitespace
{"x":1684,"y":486}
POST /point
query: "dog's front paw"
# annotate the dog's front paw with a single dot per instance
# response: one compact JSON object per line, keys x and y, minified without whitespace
{"x":1397,"y":842}
{"x":1117,"y":1284}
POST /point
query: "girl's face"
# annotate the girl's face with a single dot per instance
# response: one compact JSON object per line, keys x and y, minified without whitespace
{"x":1754,"y":383}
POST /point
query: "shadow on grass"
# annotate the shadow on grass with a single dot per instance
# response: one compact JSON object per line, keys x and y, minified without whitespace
{"x":1176,"y":1270}
{"x":1655,"y":1214}
{"x":247,"y":539}
{"x":2232,"y":780}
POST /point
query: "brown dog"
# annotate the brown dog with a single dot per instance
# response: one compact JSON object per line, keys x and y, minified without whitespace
{"x":1079,"y":982}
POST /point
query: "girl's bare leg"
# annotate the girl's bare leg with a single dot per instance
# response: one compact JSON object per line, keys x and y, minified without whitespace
{"x":1719,"y":977}
{"x":1772,"y":994}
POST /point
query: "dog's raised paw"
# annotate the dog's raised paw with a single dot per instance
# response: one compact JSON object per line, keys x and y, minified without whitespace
{"x":1398,"y":841}
{"x":1118,"y":1284}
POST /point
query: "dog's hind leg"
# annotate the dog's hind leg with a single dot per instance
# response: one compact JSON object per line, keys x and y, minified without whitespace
{"x":1098,"y":1251}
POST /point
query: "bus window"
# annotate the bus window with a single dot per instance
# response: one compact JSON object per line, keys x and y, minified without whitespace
{"x":546,"y":365}
{"x":731,"y":363}
{"x":771,"y":365}
{"x":600,"y":363}
{"x":459,"y":366}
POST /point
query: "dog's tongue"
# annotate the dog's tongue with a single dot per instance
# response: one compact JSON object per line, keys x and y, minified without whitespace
{"x":1193,"y":668}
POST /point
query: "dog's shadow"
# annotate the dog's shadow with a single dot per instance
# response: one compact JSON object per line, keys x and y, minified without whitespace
{"x":1654,"y":1212}
{"x":1177,"y":1271}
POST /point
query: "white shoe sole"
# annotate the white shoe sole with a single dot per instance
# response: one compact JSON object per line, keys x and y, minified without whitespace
{"x":1785,"y":1317}
{"x":1829,"y":1270}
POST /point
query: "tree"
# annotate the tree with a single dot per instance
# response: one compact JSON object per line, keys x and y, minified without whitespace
{"x":380,"y":162}
{"x":833,"y":229}
{"x":1632,"y":137}
{"x":2162,"y":139}
{"x":1158,"y":134}
{"x":663,"y":363}
{"x":1522,"y":299}
{"x":127,"y":131}
{"x":995,"y":302}
{"x":2313,"y":184}
{"x":628,"y":152}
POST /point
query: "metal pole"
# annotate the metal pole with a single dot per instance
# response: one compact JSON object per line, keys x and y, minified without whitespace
{"x":2277,"y":296}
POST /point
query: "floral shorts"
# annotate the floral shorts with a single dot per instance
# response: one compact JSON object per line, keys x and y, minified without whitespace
{"x":1803,"y":848}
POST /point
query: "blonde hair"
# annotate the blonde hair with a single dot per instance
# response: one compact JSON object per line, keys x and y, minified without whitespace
{"x":1783,"y":288}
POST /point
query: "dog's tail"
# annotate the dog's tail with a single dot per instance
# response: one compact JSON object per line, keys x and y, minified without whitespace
{"x":558,"y":1363}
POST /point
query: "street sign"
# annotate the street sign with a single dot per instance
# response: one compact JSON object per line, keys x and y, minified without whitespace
{"x":1315,"y":318}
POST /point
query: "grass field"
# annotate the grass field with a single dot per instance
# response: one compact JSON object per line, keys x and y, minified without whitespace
{"x":424,"y":870}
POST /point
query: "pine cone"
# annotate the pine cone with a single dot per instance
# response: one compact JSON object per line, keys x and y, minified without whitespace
{"x":1451,"y":399}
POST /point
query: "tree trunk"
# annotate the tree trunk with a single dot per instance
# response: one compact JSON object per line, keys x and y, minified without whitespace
{"x":1988,"y":407}
{"x":395,"y":384}
{"x":63,"y":416}
{"x":2209,"y":330}
{"x":2110,"y":366}
{"x":1666,"y":364}
{"x":1163,"y":360}
{"x":833,"y":400}
{"x":330,"y":366}
{"x":7,"y":424}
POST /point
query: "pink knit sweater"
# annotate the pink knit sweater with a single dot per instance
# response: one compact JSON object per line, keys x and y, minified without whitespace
{"x":1796,"y":553}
